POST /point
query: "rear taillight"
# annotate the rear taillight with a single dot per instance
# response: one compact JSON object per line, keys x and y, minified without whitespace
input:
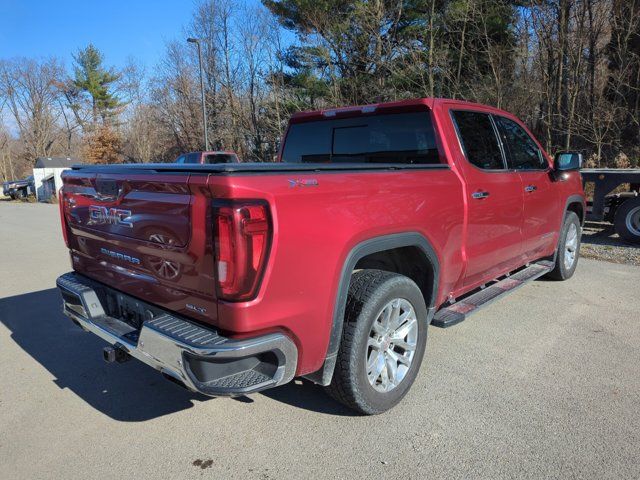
{"x":242,"y":235}
{"x":63,"y":220}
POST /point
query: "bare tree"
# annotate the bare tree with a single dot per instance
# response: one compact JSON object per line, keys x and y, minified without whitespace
{"x":7,"y":170}
{"x":568,"y":68}
{"x":29,"y":87}
{"x":175,"y":94}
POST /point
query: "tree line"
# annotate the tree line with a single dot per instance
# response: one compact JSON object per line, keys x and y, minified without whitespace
{"x":569,"y":68}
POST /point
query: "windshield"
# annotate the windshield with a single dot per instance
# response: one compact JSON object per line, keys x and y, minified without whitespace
{"x":392,"y":138}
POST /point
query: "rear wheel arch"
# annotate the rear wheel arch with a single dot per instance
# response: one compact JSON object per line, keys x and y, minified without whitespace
{"x":409,"y":261}
{"x":391,"y":253}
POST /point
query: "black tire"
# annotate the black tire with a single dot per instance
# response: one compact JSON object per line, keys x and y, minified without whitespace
{"x":561,"y":270}
{"x":369,"y":292}
{"x":626,"y":220}
{"x":20,"y":194}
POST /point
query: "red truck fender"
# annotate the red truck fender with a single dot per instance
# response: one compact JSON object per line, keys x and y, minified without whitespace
{"x":359,"y":252}
{"x":575,"y":203}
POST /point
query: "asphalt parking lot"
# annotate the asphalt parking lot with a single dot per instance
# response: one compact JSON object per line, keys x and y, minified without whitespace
{"x":543,"y":384}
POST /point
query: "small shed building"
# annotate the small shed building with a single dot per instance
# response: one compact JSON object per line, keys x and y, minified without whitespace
{"x":46,"y":175}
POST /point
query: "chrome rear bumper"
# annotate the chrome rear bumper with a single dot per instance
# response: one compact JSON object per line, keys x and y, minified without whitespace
{"x":195,"y":356}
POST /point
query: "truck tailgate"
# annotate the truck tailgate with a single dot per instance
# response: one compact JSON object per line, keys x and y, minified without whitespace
{"x":134,"y":232}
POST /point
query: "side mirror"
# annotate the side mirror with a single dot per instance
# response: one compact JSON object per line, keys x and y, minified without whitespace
{"x":565,"y":161}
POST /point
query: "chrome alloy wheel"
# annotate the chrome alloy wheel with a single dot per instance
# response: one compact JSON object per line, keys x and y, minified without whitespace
{"x":571,"y":246}
{"x":391,"y":345}
{"x":632,"y":221}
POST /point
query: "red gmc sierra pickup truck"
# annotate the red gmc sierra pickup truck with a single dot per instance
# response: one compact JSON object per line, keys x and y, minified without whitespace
{"x":329,"y":264}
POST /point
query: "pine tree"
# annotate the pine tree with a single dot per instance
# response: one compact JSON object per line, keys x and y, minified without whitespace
{"x":95,"y":81}
{"x":361,"y":51}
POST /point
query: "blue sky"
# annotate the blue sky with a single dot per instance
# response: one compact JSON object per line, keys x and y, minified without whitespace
{"x":118,"y":28}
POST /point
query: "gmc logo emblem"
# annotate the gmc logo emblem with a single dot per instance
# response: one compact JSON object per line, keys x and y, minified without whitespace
{"x":109,"y":216}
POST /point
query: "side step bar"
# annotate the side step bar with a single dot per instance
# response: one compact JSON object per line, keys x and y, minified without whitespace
{"x":459,"y":311}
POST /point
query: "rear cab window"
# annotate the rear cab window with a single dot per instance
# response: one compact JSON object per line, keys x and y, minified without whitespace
{"x":406,"y":138}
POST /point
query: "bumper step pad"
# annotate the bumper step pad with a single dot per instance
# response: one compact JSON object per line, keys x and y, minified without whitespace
{"x":459,"y":311}
{"x":186,"y":332}
{"x":241,"y":380}
{"x":194,"y":356}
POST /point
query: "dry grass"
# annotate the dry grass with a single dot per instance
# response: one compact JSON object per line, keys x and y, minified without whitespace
{"x":600,"y":242}
{"x":29,"y":199}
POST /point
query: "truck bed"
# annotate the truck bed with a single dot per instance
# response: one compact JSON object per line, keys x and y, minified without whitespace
{"x":275,"y":167}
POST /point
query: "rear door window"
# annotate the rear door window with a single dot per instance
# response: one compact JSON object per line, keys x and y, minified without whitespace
{"x":522,"y":152}
{"x":390,"y":138}
{"x":478,"y":139}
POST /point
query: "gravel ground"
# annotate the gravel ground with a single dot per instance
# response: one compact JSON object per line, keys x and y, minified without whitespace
{"x":542,"y":384}
{"x":601,"y":242}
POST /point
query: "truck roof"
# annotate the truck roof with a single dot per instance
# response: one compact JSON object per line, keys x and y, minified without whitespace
{"x":413,"y":104}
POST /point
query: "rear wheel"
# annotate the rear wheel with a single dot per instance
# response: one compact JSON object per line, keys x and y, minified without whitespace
{"x":383,"y":343}
{"x":568,"y":248}
{"x":627,"y":220}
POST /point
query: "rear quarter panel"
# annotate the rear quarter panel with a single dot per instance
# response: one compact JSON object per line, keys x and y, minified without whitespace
{"x":315,"y":228}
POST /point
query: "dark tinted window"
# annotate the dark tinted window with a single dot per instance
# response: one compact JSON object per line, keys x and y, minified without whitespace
{"x":522,"y":151}
{"x":394,"y":138}
{"x":219,"y":158}
{"x":478,"y":139}
{"x":189,"y":158}
{"x":308,"y":142}
{"x":192,"y":157}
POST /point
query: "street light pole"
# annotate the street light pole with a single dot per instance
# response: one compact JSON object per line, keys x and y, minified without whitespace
{"x":204,"y":104}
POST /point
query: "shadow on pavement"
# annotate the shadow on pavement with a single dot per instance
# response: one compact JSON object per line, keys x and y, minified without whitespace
{"x":308,"y":396}
{"x":602,"y":233}
{"x":129,"y":392}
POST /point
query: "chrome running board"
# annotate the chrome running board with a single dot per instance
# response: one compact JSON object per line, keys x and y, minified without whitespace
{"x":465,"y":306}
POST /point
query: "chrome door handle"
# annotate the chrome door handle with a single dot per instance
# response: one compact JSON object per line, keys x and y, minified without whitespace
{"x":530,"y":188}
{"x":479,"y":195}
